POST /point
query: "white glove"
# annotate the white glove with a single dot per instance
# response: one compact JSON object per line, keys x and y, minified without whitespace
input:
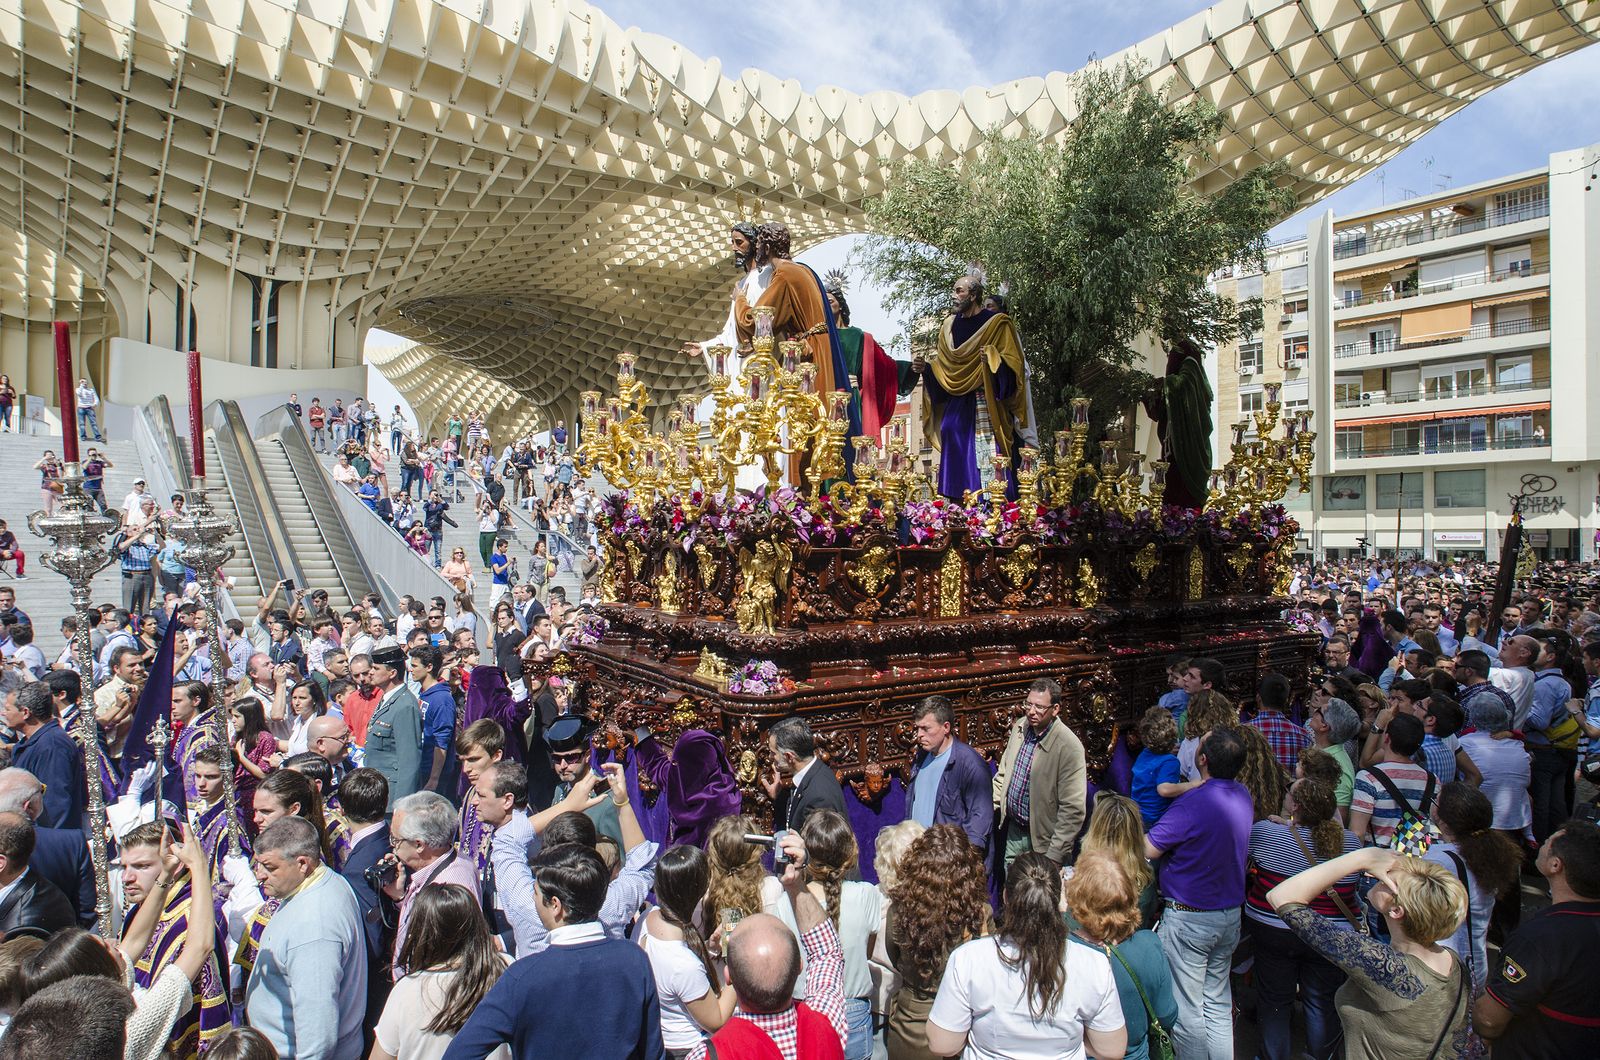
{"x":236,"y":871}
{"x":141,"y":780}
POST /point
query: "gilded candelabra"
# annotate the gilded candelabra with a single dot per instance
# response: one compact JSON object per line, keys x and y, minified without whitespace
{"x":203,"y":535}
{"x":78,"y":530}
{"x":1259,"y":471}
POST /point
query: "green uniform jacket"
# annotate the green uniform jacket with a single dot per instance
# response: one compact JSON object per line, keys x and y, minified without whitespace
{"x":394,"y":742}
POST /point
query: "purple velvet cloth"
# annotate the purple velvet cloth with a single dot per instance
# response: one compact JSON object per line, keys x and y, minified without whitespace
{"x":1371,"y":651}
{"x":697,"y":782}
{"x":488,"y":696}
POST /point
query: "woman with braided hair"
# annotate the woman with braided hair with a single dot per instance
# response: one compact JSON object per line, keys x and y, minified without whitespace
{"x":690,"y":990}
{"x":853,"y":906}
{"x":1486,"y":862}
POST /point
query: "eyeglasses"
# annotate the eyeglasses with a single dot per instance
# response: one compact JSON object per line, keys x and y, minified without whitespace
{"x":568,"y":756}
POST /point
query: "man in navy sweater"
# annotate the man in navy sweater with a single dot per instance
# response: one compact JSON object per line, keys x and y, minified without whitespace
{"x":586,"y":997}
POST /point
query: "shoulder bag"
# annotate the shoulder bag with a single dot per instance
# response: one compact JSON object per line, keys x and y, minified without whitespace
{"x":1159,"y":1041}
{"x":1311,"y":859}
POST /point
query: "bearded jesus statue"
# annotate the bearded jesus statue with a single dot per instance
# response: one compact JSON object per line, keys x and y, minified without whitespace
{"x":977,"y":403}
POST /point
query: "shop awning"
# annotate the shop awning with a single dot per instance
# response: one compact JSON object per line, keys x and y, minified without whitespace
{"x":1456,"y":414}
{"x":1510,"y":299}
{"x":1373,"y":270}
{"x":1438,"y":322}
{"x":1376,"y":421}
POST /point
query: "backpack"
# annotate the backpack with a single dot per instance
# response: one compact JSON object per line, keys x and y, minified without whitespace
{"x":1415,"y":832}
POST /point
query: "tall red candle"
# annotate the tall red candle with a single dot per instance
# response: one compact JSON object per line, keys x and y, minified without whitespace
{"x":69,"y":392}
{"x":197,"y":440}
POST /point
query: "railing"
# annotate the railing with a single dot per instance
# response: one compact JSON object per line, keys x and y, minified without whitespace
{"x":1355,"y":242}
{"x":271,"y":553}
{"x":525,"y":533}
{"x":351,"y":563}
{"x":395,"y":566}
{"x":1476,"y":279}
{"x":166,"y":471}
{"x":1426,"y":448}
{"x":1475,"y":390}
{"x":1496,"y":330}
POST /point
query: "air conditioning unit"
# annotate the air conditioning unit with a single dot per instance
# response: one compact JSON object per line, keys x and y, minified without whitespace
{"x":1248,"y":369}
{"x":1287,"y":318}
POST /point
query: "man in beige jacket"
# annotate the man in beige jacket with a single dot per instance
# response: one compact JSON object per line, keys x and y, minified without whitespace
{"x":1042,"y":785}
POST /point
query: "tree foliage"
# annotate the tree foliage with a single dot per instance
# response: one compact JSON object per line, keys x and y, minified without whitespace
{"x":1096,"y":235}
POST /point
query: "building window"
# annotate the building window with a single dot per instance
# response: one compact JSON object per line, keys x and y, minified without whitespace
{"x":1511,"y":432}
{"x":1400,"y":491}
{"x":1459,"y":489}
{"x":1521,"y":204}
{"x":1346,"y":390}
{"x":1294,"y":279}
{"x":1513,"y":373}
{"x":1250,"y":357}
{"x":1405,"y":440}
{"x":1295,"y":305}
{"x":1455,"y":380}
{"x":1249,"y":287}
{"x":1296,"y":348}
{"x":1296,"y":395}
{"x":1251,"y":400}
{"x":1347,"y":443}
{"x":1455,"y":436}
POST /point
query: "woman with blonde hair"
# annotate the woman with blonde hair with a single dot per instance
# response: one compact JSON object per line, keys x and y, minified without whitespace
{"x":1102,"y":912}
{"x":890,"y":849}
{"x":1116,"y":829}
{"x":940,"y":900}
{"x":1410,"y":996}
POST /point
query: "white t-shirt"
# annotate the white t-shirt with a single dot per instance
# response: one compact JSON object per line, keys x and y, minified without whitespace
{"x":984,"y":997}
{"x":411,"y":1006}
{"x":680,"y":979}
{"x":859,"y":908}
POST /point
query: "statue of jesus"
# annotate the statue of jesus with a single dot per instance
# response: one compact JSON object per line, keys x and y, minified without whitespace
{"x":977,"y":388}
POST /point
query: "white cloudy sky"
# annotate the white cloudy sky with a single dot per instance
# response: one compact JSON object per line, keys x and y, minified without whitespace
{"x":910,"y":46}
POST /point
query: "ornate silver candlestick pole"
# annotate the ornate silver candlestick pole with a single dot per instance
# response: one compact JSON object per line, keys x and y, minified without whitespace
{"x":78,"y":531}
{"x":202,"y":533}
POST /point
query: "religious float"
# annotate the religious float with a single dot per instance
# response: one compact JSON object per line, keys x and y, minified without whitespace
{"x":848,"y":602}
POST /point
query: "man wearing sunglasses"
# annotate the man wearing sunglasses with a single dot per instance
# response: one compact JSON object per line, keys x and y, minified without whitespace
{"x":570,"y":753}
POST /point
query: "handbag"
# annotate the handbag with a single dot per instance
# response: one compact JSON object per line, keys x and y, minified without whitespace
{"x":1311,"y":859}
{"x":1158,"y":1040}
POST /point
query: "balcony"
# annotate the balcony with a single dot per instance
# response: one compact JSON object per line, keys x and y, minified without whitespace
{"x":1479,"y":390}
{"x":1455,"y":283}
{"x":1355,"y":243}
{"x":1442,"y":446}
{"x":1499,"y":329}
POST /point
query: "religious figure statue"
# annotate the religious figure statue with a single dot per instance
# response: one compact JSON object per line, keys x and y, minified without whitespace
{"x":978,"y":402}
{"x":800,"y":311}
{"x":766,"y":570}
{"x":877,"y":381}
{"x":1180,"y":404}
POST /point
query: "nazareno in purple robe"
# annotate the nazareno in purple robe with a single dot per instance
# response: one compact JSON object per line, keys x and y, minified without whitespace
{"x":697,"y":780}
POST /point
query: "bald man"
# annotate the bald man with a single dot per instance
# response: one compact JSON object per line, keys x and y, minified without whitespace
{"x":328,"y":737}
{"x":60,"y":855}
{"x":763,"y":964}
{"x":1514,"y":674}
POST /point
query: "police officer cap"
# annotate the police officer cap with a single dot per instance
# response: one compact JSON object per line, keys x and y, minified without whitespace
{"x":391,"y":656}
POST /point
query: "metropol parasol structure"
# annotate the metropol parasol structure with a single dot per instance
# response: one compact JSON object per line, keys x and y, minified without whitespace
{"x":524,"y":188}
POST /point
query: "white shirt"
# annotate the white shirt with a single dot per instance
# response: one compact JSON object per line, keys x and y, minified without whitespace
{"x":1507,"y":772}
{"x":680,"y":979}
{"x":983,"y":997}
{"x":1516,"y":682}
{"x":412,"y":1004}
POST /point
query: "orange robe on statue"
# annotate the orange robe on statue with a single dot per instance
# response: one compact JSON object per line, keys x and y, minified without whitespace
{"x":798,"y":312}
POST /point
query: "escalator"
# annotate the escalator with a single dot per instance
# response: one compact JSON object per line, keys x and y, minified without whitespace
{"x":246,"y":582}
{"x":312,"y":546}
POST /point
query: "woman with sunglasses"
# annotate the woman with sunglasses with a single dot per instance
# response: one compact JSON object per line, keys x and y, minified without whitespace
{"x":458,"y":572}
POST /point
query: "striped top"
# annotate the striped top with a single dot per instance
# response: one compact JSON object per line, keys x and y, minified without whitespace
{"x":1275,"y":856}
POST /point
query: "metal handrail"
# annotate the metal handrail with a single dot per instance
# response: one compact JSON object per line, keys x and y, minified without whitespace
{"x":261,"y":523}
{"x":519,"y":515}
{"x":1478,"y":390}
{"x":1353,"y":242}
{"x":1455,"y":283}
{"x":286,"y":427}
{"x":1426,"y":449}
{"x":1497,"y":330}
{"x":164,"y":466}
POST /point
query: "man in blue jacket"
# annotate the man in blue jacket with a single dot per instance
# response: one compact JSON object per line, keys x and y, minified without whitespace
{"x":950,"y":782}
{"x":47,"y":752}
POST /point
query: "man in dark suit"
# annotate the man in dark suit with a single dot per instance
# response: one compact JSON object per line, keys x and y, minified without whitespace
{"x":29,"y":904}
{"x":526,"y":606}
{"x":47,"y":752}
{"x":364,"y":799}
{"x":800,"y":782}
{"x":60,"y":855}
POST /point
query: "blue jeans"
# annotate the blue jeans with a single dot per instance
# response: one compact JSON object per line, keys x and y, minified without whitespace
{"x":858,"y":1017}
{"x":1199,"y":949}
{"x":438,"y":545}
{"x":87,"y":423}
{"x":1282,"y":961}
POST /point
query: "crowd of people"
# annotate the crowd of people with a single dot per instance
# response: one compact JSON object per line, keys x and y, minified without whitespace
{"x":403,"y":836}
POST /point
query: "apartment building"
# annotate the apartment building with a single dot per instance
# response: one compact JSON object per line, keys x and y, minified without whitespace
{"x":1450,"y":347}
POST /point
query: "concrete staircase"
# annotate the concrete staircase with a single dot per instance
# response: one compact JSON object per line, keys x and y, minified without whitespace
{"x":44,"y":594}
